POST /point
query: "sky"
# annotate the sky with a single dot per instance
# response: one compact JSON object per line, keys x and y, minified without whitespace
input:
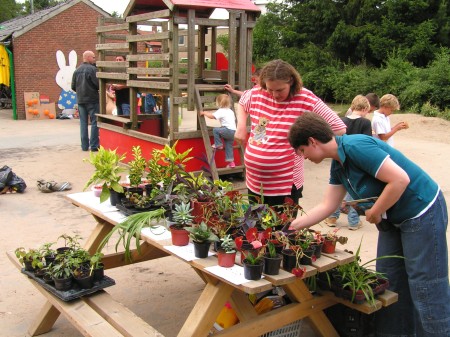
{"x":112,"y":5}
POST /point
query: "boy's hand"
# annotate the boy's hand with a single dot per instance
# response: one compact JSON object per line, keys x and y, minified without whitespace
{"x":401,"y":126}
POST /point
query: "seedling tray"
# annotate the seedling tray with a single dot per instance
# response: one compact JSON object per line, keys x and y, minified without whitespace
{"x":75,"y":292}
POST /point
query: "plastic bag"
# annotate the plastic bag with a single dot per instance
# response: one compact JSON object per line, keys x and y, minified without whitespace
{"x":5,"y":176}
{"x":17,"y":184}
{"x":10,"y":182}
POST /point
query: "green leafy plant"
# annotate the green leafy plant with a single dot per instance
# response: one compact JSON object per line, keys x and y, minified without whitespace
{"x":227,"y":244}
{"x":271,"y":251}
{"x":63,"y":266}
{"x":182,"y":215}
{"x":95,"y":261}
{"x":70,"y":241}
{"x":46,"y":249}
{"x":107,"y":171}
{"x":131,"y":228}
{"x":33,"y":256}
{"x":201,"y":233}
{"x":137,"y":166}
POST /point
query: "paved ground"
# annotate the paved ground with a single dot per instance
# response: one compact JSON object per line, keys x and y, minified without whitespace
{"x":161,"y":292}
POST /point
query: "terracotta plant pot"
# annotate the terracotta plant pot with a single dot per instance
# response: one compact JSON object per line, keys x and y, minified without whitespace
{"x":226,"y":260}
{"x":329,"y":246}
{"x":180,"y":237}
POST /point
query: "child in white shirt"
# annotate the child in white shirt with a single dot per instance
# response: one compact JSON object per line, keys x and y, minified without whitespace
{"x":381,"y":124}
{"x":225,"y":133}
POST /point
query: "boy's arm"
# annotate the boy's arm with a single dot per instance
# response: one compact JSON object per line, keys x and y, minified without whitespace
{"x":208,"y":114}
{"x":399,"y":126}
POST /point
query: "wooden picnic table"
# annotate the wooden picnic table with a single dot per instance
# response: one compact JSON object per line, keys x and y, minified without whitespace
{"x":217,"y":291}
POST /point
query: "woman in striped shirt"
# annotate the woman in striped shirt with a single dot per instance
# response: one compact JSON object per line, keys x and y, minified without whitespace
{"x":273,"y":170}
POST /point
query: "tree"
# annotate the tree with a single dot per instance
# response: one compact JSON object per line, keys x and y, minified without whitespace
{"x":39,"y":5}
{"x":10,"y":9}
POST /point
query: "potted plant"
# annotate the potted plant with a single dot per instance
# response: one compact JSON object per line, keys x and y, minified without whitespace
{"x":330,"y":239}
{"x":164,"y":165}
{"x":70,"y":242}
{"x":136,"y":171}
{"x":253,"y":266}
{"x":182,"y":217}
{"x":131,"y":228}
{"x":97,"y":268}
{"x":47,"y":252}
{"x":31,"y":259}
{"x":227,"y":252}
{"x":107,"y":172}
{"x":61,"y":272}
{"x":201,"y":236}
{"x":272,"y":260}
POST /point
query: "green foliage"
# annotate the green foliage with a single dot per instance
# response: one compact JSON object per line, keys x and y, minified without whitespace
{"x":10,"y":10}
{"x":201,"y":233}
{"x":131,"y":228}
{"x":39,"y":4}
{"x":227,"y":244}
{"x":223,"y":41}
{"x":182,"y":214}
{"x":137,"y":166}
{"x":107,"y":171}
{"x":429,"y":110}
{"x":32,"y":255}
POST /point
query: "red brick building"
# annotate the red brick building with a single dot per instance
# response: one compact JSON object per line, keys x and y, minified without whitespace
{"x":35,"y":40}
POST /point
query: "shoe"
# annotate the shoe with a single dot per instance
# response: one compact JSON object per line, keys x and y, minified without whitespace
{"x":355,"y":228}
{"x":94,"y":150}
{"x":217,"y":147}
{"x":231,"y":165}
{"x":331,"y":222}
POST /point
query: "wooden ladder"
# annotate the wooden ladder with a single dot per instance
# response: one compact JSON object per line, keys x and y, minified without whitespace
{"x":200,"y":100}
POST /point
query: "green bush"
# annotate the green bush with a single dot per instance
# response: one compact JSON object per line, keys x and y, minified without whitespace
{"x":429,"y":110}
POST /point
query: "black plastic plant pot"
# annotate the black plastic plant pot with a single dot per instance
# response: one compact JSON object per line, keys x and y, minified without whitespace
{"x":217,"y":245}
{"x":85,"y":282}
{"x":137,"y":190}
{"x":115,"y":197}
{"x":63,"y":284}
{"x":201,"y":249}
{"x":253,"y":271}
{"x":272,"y":264}
{"x":99,"y":273}
{"x":289,"y":259}
{"x":306,"y":258}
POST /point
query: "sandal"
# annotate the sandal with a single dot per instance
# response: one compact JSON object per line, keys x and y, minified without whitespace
{"x":43,"y":186}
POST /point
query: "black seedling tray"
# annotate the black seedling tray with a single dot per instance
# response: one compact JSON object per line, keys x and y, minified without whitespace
{"x":76,"y":291}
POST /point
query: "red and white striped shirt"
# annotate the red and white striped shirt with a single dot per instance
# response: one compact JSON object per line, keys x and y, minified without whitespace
{"x":270,"y":161}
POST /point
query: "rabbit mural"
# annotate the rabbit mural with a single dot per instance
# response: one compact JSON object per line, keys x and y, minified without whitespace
{"x":67,"y":98}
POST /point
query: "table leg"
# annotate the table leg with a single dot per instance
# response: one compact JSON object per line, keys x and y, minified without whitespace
{"x":45,"y":320}
{"x":98,"y":234}
{"x":299,"y":292}
{"x":208,"y":307}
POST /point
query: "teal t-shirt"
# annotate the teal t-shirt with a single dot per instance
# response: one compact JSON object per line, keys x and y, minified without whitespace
{"x":361,"y":157}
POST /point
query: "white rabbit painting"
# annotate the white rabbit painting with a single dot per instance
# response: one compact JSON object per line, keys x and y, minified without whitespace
{"x":67,"y":98}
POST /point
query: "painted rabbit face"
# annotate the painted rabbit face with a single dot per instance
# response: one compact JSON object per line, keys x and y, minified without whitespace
{"x":65,"y":72}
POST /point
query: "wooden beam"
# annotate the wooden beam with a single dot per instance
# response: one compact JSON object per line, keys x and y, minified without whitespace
{"x":149,"y":57}
{"x":113,"y":64}
{"x":150,"y":71}
{"x":111,"y":46}
{"x":149,"y":16}
{"x":114,"y":76}
{"x":149,"y":84}
{"x":111,"y":28}
{"x":121,"y":37}
{"x":150,"y":37}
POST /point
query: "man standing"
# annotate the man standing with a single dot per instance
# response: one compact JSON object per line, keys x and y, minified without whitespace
{"x":85,"y":84}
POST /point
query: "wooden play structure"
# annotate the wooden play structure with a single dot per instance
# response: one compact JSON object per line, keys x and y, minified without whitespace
{"x":153,"y":65}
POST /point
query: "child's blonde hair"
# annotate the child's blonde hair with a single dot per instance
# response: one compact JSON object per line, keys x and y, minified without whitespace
{"x":223,"y":101}
{"x":389,"y":101}
{"x":360,"y":103}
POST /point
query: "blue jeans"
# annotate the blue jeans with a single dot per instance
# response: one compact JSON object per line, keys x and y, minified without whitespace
{"x":420,"y":279}
{"x":85,"y":111}
{"x":228,"y":137}
{"x":353,"y":217}
{"x":123,"y":109}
